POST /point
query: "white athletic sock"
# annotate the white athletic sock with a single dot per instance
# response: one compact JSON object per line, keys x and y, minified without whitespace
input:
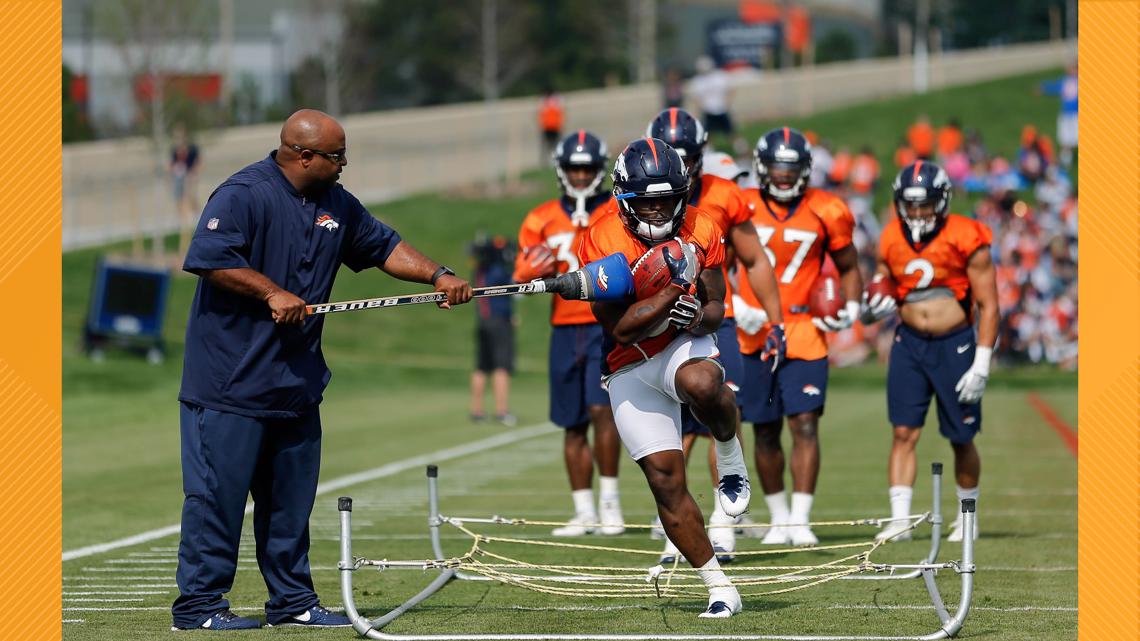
{"x":607,"y":487}
{"x":900,"y":496}
{"x":964,"y":493}
{"x":777,"y":506}
{"x":729,"y":456}
{"x":712,"y":575}
{"x":801,"y":507}
{"x":583,"y":502}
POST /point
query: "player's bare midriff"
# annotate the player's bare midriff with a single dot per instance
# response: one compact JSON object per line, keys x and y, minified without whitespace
{"x":934,"y":315}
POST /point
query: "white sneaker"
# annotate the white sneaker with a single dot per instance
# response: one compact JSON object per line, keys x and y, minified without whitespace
{"x":723,"y":603}
{"x":777,"y":535}
{"x":894,"y":531}
{"x":669,"y":556}
{"x":750,"y":532}
{"x":580,"y":525}
{"x":657,"y":533}
{"x":801,"y":536}
{"x":956,"y":530}
{"x":723,"y":539}
{"x":611,"y":519}
{"x":734,"y":492}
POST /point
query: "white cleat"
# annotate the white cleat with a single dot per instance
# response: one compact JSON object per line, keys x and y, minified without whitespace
{"x":734,"y":492}
{"x":956,"y":530}
{"x":777,"y":535}
{"x":894,"y":532}
{"x":657,"y":533}
{"x":723,"y":603}
{"x":611,"y":518}
{"x":580,"y":525}
{"x":801,"y":536}
{"x":723,"y":539}
{"x":752,"y":532}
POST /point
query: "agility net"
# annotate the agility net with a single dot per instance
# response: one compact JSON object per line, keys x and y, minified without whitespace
{"x":610,"y":571}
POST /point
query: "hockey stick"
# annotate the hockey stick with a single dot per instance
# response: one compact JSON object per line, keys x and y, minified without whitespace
{"x":591,"y":282}
{"x":534,"y":287}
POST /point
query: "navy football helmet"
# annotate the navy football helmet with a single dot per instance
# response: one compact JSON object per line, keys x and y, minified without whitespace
{"x":922,"y":183}
{"x":684,"y":133}
{"x":581,"y":149}
{"x":782,"y":160}
{"x":651,"y":186}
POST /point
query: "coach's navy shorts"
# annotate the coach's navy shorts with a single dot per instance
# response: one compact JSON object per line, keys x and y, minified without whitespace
{"x":575,"y":373}
{"x":922,"y":366}
{"x":798,"y":386}
{"x":733,"y":366}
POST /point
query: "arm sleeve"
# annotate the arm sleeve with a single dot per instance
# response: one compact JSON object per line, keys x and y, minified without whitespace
{"x":974,"y":235}
{"x":588,"y":249}
{"x":222,"y":238}
{"x":739,"y":209}
{"x":372,"y":243}
{"x":840,"y":225}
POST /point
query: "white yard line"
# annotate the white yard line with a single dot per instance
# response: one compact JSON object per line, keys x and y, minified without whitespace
{"x":390,"y":469}
{"x":1018,"y":608}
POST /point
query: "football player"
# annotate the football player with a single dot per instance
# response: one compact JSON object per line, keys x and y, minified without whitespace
{"x":660,"y":352}
{"x":799,"y":226}
{"x":548,"y":243}
{"x":945,"y":281}
{"x":732,"y":214}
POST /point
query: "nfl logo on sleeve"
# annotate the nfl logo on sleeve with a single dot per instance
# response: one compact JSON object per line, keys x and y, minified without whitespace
{"x":212,"y":223}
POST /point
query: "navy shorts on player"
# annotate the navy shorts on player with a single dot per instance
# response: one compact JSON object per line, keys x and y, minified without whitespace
{"x":733,"y":366}
{"x":798,"y":386}
{"x":575,"y":373}
{"x":922,"y":366}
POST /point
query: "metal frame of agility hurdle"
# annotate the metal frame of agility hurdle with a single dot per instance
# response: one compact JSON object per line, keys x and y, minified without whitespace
{"x":372,"y":628}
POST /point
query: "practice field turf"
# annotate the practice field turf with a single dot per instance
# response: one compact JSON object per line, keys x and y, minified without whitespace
{"x":399,"y":392}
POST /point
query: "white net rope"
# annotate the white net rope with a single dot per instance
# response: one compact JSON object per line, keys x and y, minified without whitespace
{"x":500,"y":558}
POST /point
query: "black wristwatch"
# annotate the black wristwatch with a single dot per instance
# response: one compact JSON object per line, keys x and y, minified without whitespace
{"x":440,"y":272}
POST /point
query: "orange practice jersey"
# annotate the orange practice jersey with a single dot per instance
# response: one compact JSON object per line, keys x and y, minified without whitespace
{"x":607,"y":235}
{"x":549,"y":224}
{"x":797,"y":243}
{"x":725,"y":202}
{"x":941,"y":262}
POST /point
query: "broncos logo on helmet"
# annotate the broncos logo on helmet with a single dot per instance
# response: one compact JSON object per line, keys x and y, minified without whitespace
{"x":922,"y":193}
{"x":782,"y":160}
{"x":581,"y":149}
{"x":651,"y":186}
{"x":684,"y":133}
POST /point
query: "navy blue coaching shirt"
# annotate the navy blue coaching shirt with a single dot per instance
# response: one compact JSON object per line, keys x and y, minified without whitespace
{"x":237,"y":359}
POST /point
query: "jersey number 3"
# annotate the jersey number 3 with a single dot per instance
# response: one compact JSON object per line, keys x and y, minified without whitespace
{"x":805,"y":239}
{"x":562,"y":244}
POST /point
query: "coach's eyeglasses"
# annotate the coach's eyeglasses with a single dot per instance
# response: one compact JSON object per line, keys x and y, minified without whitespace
{"x":337,"y":157}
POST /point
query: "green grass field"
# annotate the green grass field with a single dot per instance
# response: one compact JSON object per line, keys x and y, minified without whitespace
{"x":399,"y":391}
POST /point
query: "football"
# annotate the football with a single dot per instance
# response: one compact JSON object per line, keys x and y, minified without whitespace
{"x":651,"y":273}
{"x":826,"y":300}
{"x":882,"y":285}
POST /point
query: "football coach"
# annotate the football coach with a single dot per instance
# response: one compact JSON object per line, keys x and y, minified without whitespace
{"x":271,"y":237}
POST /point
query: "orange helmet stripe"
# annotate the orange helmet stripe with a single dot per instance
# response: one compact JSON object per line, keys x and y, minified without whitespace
{"x":917,"y":167}
{"x":787,"y":135}
{"x":581,"y":137}
{"x":673,"y":121}
{"x":653,"y":148}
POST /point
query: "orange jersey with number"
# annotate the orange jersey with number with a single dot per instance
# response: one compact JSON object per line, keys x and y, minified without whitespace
{"x":797,"y":241}
{"x":725,"y":202}
{"x":607,"y":235}
{"x":940,"y":262}
{"x":549,"y":224}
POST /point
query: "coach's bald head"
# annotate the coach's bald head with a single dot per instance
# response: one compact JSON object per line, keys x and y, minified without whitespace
{"x":312,"y":150}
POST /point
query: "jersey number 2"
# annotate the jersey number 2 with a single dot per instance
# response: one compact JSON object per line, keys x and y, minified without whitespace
{"x":924,"y":267}
{"x":791,"y":235}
